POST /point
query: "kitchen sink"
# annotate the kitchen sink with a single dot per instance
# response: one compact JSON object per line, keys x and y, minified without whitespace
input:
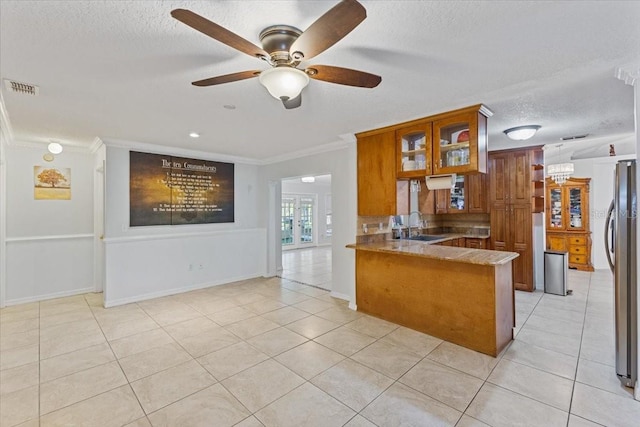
{"x":426,"y":238}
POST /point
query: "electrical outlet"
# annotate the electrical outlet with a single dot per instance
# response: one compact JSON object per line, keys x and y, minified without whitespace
{"x":190,"y":267}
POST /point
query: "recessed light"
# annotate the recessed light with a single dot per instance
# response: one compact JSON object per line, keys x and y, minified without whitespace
{"x":194,"y":135}
{"x":48,"y":157}
{"x":229,"y":107}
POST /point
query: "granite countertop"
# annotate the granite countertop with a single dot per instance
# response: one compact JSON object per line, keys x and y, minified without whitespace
{"x":428,"y":250}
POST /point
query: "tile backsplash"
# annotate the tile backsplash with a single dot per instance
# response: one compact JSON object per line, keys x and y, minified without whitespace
{"x":380,"y":226}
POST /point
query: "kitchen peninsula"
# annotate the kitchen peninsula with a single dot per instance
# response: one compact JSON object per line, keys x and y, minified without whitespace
{"x":461,"y":295}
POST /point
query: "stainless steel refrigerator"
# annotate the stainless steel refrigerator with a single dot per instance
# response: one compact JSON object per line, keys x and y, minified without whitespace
{"x":620,"y":242}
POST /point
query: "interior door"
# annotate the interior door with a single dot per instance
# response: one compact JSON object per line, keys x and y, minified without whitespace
{"x":298,"y":226}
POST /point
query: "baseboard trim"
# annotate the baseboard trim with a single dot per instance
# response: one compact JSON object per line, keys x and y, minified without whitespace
{"x":340,"y":296}
{"x":174,"y":291}
{"x":353,"y":306}
{"x":55,"y":295}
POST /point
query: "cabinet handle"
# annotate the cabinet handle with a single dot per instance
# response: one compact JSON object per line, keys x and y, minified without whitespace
{"x":440,"y":164}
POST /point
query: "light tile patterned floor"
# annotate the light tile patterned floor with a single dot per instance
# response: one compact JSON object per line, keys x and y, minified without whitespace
{"x":311,"y":266}
{"x":272,"y":352}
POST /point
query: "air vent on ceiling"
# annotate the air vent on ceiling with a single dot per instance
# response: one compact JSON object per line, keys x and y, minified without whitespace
{"x":22,"y":88}
{"x":571,"y":138}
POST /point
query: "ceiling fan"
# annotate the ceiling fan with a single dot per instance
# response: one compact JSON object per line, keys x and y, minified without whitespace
{"x":284,"y":47}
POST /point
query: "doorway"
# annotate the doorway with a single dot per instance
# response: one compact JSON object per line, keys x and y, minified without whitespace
{"x":305,"y":230}
{"x":298,"y":221}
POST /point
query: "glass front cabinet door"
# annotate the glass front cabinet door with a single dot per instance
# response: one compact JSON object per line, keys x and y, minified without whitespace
{"x":555,"y":217}
{"x":575,"y":205}
{"x":460,"y":143}
{"x":414,"y":151}
{"x":457,"y":201}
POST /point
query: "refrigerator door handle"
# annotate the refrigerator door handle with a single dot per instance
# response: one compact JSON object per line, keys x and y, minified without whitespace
{"x":609,"y":226}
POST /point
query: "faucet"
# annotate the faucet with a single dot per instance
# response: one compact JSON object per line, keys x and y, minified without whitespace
{"x":409,"y":221}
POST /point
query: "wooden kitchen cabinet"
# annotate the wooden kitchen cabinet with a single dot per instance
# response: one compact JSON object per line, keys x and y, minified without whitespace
{"x":468,"y":196}
{"x":414,"y":150}
{"x":512,"y":230}
{"x":460,"y":141}
{"x":451,"y":142}
{"x":377,"y":189}
{"x":475,"y":243}
{"x":510,"y":178}
{"x":476,"y":184}
{"x":426,"y":199}
{"x":567,"y":220}
{"x":442,"y":200}
{"x":510,"y":199}
{"x":408,"y":151}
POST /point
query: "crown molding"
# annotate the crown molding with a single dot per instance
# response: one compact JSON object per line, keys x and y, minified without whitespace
{"x":175,"y":151}
{"x":95,"y":145}
{"x":324,"y":148}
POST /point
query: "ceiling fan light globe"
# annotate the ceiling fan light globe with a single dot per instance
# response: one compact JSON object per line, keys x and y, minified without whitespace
{"x":284,"y":82}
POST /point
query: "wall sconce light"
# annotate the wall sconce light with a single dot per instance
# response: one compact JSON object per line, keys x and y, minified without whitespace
{"x":522,"y":133}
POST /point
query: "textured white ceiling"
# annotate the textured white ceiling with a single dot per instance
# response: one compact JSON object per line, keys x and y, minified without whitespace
{"x":122,"y":70}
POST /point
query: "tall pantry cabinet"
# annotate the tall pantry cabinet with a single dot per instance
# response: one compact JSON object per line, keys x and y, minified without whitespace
{"x":514,"y":179}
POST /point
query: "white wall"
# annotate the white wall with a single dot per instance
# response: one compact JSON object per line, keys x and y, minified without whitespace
{"x":341,"y":164}
{"x":49,"y":243}
{"x":4,"y":139}
{"x":321,"y":191}
{"x":147,"y":262}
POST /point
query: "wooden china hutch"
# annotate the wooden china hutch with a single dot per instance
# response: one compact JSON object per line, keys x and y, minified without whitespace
{"x":567,"y":217}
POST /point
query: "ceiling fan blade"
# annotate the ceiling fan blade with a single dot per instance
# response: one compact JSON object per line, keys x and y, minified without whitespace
{"x":292,"y":103}
{"x":343,"y":76}
{"x":227,"y":78}
{"x":328,"y":29}
{"x":217,"y":32}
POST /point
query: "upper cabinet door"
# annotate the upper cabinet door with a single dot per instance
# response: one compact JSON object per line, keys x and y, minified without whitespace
{"x":377,"y":190}
{"x":520,"y":177}
{"x":499,"y":180}
{"x":414,"y":151}
{"x":460,"y":142}
{"x":454,"y":146}
{"x":477,"y":193}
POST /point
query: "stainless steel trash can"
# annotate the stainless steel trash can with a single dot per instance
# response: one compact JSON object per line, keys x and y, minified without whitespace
{"x":556,"y":266}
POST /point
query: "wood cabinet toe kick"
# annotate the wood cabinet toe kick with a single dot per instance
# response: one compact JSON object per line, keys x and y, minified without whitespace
{"x":469,"y":304}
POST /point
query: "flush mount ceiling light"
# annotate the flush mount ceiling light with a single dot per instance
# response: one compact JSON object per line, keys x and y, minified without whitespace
{"x":54,"y":148}
{"x":522,"y":133}
{"x":284,"y":83}
{"x":308,"y":179}
{"x":194,"y":135}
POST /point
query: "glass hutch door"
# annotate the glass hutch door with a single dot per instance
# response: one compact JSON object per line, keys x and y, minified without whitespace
{"x":576,"y":208}
{"x":556,"y":209}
